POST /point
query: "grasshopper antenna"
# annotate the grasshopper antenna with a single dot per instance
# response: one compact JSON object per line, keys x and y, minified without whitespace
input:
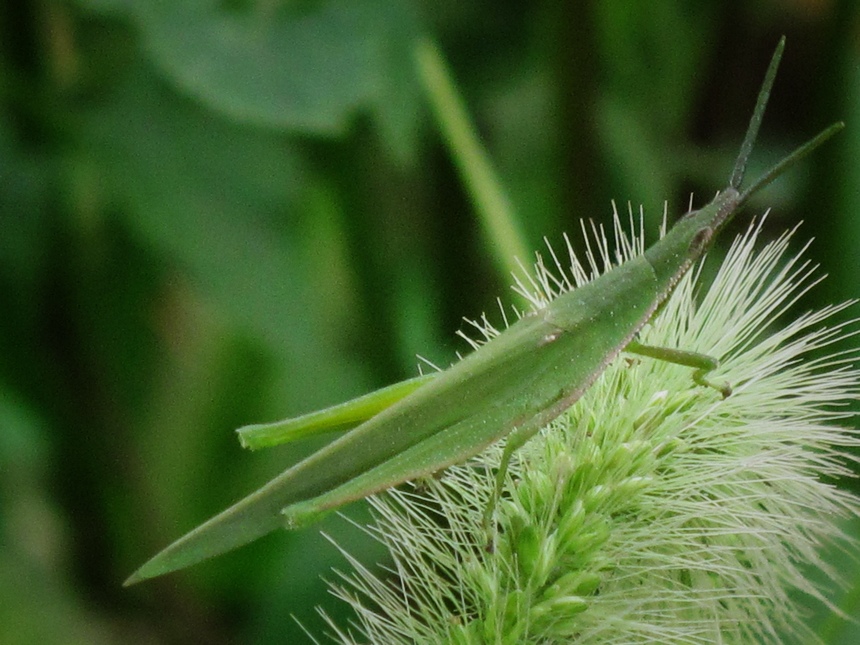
{"x":752,"y":133}
{"x":791,"y":159}
{"x":758,"y":115}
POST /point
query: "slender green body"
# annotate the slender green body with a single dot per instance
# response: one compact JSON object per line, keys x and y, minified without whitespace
{"x":516,"y":383}
{"x":529,"y":374}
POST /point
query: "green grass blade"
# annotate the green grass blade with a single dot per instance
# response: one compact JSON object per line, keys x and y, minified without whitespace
{"x":505,"y":236}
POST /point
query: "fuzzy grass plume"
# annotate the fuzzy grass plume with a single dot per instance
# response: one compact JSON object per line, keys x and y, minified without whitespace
{"x":654,"y":510}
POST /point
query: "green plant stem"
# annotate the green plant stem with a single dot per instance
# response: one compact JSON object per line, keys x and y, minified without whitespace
{"x":499,"y":222}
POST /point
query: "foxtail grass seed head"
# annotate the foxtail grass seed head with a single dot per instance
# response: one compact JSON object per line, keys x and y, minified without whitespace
{"x":654,"y":510}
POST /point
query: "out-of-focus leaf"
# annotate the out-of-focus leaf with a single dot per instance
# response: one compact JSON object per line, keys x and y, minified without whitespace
{"x":652,"y":54}
{"x":24,"y":247}
{"x":37,"y":604}
{"x":221,"y":203}
{"x":38,"y":607}
{"x":22,"y":438}
{"x":845,"y":233}
{"x":307,"y":69}
{"x":214,"y":197}
{"x":22,"y":206}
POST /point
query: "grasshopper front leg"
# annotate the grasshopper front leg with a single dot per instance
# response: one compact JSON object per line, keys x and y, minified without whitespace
{"x":702,"y":363}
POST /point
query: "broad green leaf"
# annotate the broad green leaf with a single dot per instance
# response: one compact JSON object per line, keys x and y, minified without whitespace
{"x":308,"y":69}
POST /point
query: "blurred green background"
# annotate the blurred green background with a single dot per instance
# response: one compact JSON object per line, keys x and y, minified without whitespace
{"x":219,"y":213}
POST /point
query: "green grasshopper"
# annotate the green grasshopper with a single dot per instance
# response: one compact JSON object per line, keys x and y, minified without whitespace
{"x":512,"y":386}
